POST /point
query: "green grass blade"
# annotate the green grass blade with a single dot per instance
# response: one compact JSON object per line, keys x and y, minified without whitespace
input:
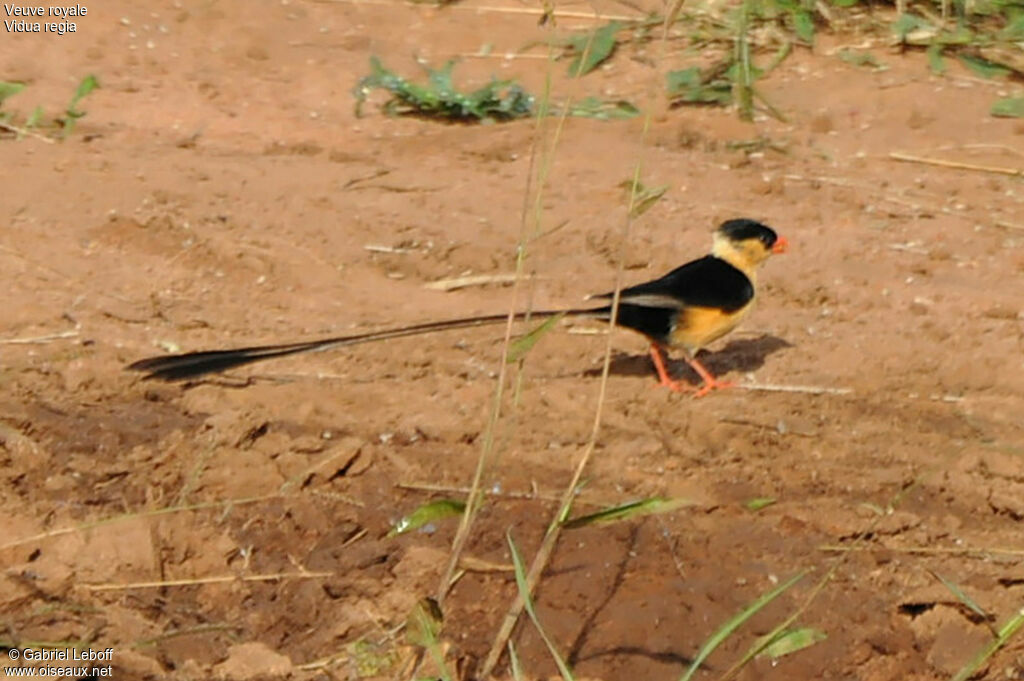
{"x":1008,"y":107}
{"x":593,"y":48}
{"x":984,"y":67}
{"x":962,"y":596}
{"x":422,"y":629}
{"x":727,"y":629}
{"x":757,"y":503}
{"x":88,"y":84}
{"x":71,"y":114}
{"x":603,"y":110}
{"x":633,"y":509}
{"x":1005,"y":633}
{"x":791,"y":641}
{"x":803,"y":25}
{"x":769,"y":107}
{"x":743,"y":76}
{"x":935,"y":61}
{"x":644,"y":198}
{"x":522,"y":345}
{"x":785,"y":49}
{"x":513,"y":659}
{"x":691,"y":86}
{"x":907,"y":24}
{"x":524,"y":593}
{"x":34,"y":118}
{"x":427,"y":513}
{"x":9,"y":89}
{"x":862,"y":59}
{"x":424,"y":623}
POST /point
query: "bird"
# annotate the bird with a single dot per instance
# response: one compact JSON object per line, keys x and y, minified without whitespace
{"x":686,"y":309}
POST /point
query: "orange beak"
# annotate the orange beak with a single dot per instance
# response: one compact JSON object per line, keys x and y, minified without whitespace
{"x":781,"y":245}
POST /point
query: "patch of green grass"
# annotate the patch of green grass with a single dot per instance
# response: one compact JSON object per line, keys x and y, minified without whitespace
{"x":66,"y":123}
{"x":730,"y":80}
{"x":694,"y":85}
{"x":799,"y":17}
{"x":499,"y":100}
{"x":986,"y":37}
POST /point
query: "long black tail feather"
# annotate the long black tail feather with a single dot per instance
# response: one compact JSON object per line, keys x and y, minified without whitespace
{"x":194,"y":364}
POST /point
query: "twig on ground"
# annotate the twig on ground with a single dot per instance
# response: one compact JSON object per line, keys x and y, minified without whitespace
{"x":220,"y":579}
{"x":527,"y":496}
{"x":958,"y":165}
{"x":483,"y":9}
{"x":910,"y":247}
{"x":38,"y":339}
{"x":967,"y":551}
{"x":472,"y":280}
{"x":504,"y":56}
{"x":377,"y":248}
{"x":472,"y":564}
{"x":29,"y":133}
{"x":809,"y":389}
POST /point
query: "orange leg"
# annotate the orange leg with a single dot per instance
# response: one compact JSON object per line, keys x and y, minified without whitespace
{"x":664,"y":379}
{"x":710,"y":382}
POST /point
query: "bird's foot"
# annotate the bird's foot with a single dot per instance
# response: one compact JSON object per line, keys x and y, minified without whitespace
{"x":713,"y":384}
{"x":674,"y":385}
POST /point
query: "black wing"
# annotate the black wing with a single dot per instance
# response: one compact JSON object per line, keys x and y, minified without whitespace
{"x":653,"y":308}
{"x":706,"y":282}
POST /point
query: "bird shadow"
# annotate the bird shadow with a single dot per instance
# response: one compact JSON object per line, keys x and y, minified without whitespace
{"x":742,"y":355}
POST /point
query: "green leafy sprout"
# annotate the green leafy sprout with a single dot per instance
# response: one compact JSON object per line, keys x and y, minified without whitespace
{"x":499,"y":100}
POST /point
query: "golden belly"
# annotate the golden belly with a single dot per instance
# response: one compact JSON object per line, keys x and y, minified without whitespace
{"x":697,"y":327}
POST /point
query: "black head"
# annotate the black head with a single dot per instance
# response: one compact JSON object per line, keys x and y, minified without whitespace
{"x":743,"y":229}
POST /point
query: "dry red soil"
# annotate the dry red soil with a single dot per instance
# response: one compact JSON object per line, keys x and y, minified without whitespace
{"x":221,"y":192}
